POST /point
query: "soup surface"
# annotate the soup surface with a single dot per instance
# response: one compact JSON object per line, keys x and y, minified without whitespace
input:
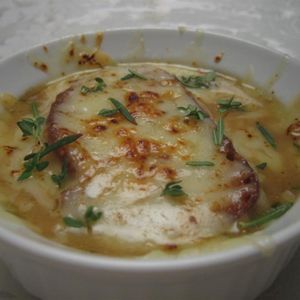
{"x":133,"y":158}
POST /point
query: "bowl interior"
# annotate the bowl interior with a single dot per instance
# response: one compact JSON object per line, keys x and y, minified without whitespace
{"x":267,"y":69}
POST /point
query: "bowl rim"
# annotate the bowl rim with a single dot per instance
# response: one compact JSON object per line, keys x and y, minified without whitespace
{"x":75,"y":258}
{"x":186,"y":30}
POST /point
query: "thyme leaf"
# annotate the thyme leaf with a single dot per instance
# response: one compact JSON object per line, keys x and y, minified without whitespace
{"x":133,"y":74}
{"x":60,"y":143}
{"x":58,"y":179}
{"x":218,"y":132}
{"x":261,"y":166}
{"x":90,"y":217}
{"x":99,"y":86}
{"x":40,"y":166}
{"x":193,"y":111}
{"x":72,"y":222}
{"x":266,"y":134}
{"x":123,"y":110}
{"x":196,"y":82}
{"x":107,"y":112}
{"x":274,"y":213}
{"x":173,"y":189}
{"x":199,"y":163}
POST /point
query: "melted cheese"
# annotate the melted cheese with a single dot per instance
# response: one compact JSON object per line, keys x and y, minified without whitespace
{"x":137,"y":161}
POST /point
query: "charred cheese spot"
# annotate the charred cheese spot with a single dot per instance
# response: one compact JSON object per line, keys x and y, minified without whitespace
{"x":9,"y":149}
{"x":175,"y":125}
{"x":144,"y":103}
{"x":169,"y":173}
{"x":95,"y":127}
{"x":41,"y":66}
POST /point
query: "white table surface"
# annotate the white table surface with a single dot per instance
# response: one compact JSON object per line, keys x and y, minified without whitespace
{"x":272,"y":23}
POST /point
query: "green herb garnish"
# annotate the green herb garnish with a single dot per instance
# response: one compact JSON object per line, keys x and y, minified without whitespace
{"x":58,"y":179}
{"x":107,"y":112}
{"x":123,"y":110}
{"x":31,"y":164}
{"x":193,"y":111}
{"x":53,"y":147}
{"x":32,"y":127}
{"x":197,"y":82}
{"x":100,"y":85}
{"x":90,"y":217}
{"x":274,"y":213}
{"x":266,"y":134}
{"x":71,"y":222}
{"x":173,"y":189}
{"x":218,"y":132}
{"x":33,"y":160}
{"x":226,"y":105}
{"x":261,"y":166}
{"x":199,"y":163}
{"x":133,"y":74}
{"x":42,"y":165}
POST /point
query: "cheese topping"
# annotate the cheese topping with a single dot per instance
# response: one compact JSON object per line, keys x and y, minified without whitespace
{"x":138,"y":160}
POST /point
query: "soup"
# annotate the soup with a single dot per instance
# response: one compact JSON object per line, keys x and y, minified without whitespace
{"x":133,"y":158}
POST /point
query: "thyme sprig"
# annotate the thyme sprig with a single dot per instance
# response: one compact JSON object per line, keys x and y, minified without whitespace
{"x":33,"y":161}
{"x":90,"y":217}
{"x":32,"y":126}
{"x":196,"y":82}
{"x":193,"y":111}
{"x":226,"y":105}
{"x":98,"y":87}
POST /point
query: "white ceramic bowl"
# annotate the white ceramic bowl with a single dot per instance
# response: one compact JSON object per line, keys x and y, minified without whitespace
{"x":242,"y":271}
